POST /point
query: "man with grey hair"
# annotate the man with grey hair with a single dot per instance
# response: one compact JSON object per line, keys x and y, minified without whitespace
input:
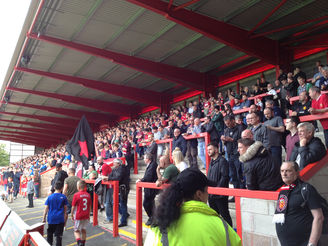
{"x":121,"y":173}
{"x":308,"y":149}
{"x":323,"y":84}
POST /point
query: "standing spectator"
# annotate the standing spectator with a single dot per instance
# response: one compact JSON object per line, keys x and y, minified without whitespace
{"x":316,"y":78}
{"x":276,"y":110}
{"x":281,"y":74}
{"x":201,"y":141}
{"x":190,"y":109}
{"x":36,"y":180}
{"x":122,"y":174}
{"x":70,"y":188}
{"x":60,"y":175}
{"x":126,"y":149}
{"x":56,"y":207}
{"x":231,"y":135}
{"x":276,"y":126}
{"x":246,"y":103}
{"x":179,"y":141}
{"x":17,"y":177}
{"x":309,"y":149}
{"x":191,"y":145}
{"x":292,"y":138}
{"x":289,"y":211}
{"x":150,"y":194}
{"x":264,"y":84}
{"x":298,"y":72}
{"x":82,"y":204}
{"x":262,"y":170}
{"x":152,"y":148}
{"x":218,"y":123}
{"x":208,"y":126}
{"x":139,"y":138}
{"x":261,"y":132}
{"x":158,"y":135}
{"x":10,"y":187}
{"x":320,"y":106}
{"x":30,"y":192}
{"x":197,"y":113}
{"x":247,"y":134}
{"x":290,"y":86}
{"x":219,"y":171}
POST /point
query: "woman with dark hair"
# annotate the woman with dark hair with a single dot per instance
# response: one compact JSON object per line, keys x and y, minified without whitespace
{"x":183,"y":217}
{"x":36,"y":183}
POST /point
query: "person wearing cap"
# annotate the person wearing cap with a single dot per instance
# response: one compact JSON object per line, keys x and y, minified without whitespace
{"x":186,"y":199}
{"x":60,"y":175}
{"x":122,"y":174}
{"x":237,"y":104}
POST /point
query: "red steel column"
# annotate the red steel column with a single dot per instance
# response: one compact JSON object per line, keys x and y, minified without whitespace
{"x":139,"y":240}
{"x":115,"y":208}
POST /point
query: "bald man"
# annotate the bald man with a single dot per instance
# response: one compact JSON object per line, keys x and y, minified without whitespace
{"x":247,"y":134}
{"x":170,"y":173}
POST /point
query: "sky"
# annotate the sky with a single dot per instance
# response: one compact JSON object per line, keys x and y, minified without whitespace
{"x":13,"y":14}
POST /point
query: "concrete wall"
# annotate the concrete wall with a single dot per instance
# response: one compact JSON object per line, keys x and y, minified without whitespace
{"x":257,"y":214}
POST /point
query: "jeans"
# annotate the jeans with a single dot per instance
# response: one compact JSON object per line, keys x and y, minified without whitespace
{"x":236,"y":172}
{"x":220,"y":142}
{"x":123,"y":210}
{"x":325,"y":132}
{"x":139,"y":150}
{"x":36,"y":189}
{"x":5,"y":187}
{"x":201,"y":152}
{"x":276,"y":153}
{"x":109,"y":204}
{"x":56,"y":229}
{"x":30,"y":199}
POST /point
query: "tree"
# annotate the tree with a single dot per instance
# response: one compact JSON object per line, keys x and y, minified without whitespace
{"x":4,"y":156}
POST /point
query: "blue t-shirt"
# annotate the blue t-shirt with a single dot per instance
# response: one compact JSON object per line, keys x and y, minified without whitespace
{"x":56,"y":203}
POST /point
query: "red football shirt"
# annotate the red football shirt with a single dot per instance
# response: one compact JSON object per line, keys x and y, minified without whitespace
{"x":321,"y":103}
{"x":82,"y":201}
{"x":106,"y":170}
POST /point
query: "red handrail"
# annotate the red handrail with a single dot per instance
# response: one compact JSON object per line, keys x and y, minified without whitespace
{"x":115,"y":183}
{"x":293,"y":99}
{"x":170,"y":140}
{"x":237,"y":193}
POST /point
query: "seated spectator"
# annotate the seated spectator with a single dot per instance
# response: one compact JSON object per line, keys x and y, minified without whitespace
{"x":116,"y":152}
{"x":170,"y":173}
{"x":257,"y":91}
{"x":260,"y":131}
{"x":272,"y":94}
{"x":264,"y":84}
{"x":208,"y":126}
{"x":190,"y":108}
{"x":298,"y":72}
{"x":237,"y":104}
{"x":239,"y":121}
{"x":179,"y":141}
{"x":197,"y":113}
{"x":178,"y":159}
{"x":316,"y":78}
{"x":106,"y":152}
{"x":291,"y":139}
{"x":309,"y":149}
{"x":301,"y":107}
{"x":304,"y":87}
{"x":277,"y":84}
{"x":276,"y":110}
{"x":247,"y":93}
{"x":262,"y":171}
{"x":324,"y":79}
{"x":245,"y":103}
{"x":259,"y":103}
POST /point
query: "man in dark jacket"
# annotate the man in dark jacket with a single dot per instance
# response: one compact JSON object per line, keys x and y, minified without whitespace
{"x":309,"y":149}
{"x":121,"y":173}
{"x":149,"y":196}
{"x":231,"y":135}
{"x":179,"y":141}
{"x":219,"y":171}
{"x":191,"y":145}
{"x":17,"y":176}
{"x":197,"y":112}
{"x":261,"y":170}
{"x":60,"y":175}
{"x":209,"y":127}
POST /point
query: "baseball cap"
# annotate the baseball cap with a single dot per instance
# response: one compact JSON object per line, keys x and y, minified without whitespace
{"x":192,"y":179}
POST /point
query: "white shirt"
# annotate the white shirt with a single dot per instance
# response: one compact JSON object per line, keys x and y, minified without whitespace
{"x":182,"y":166}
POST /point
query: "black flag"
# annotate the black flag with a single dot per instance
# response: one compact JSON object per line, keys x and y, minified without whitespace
{"x":82,"y":144}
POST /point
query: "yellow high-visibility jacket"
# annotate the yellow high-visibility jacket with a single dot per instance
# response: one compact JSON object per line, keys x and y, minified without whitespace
{"x":198,"y":225}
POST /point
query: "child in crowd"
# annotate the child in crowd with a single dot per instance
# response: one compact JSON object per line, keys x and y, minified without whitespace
{"x":30,"y":191}
{"x":259,"y":103}
{"x":82,"y":204}
{"x":10,"y":189}
{"x":24,"y":186}
{"x":4,"y":195}
{"x":56,"y":207}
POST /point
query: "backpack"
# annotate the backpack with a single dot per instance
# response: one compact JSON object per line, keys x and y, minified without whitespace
{"x":324,"y":207}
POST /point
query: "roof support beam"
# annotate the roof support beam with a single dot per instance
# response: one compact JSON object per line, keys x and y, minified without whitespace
{"x":41,"y":125}
{"x":94,"y":117}
{"x":240,"y":10}
{"x":110,"y":107}
{"x":28,"y":135}
{"x":266,"y":17}
{"x":35,"y":130}
{"x":20,"y":140}
{"x":264,"y":49}
{"x":59,"y":121}
{"x":174,"y":74}
{"x":128,"y":92}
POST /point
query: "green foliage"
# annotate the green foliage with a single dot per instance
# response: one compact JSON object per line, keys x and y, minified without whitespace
{"x":4,"y":156}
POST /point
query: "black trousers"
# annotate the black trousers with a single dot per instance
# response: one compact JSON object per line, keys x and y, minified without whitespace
{"x":220,"y":205}
{"x":56,"y":229}
{"x":192,"y":155}
{"x":16,"y":189}
{"x":30,"y":199}
{"x":148,"y":204}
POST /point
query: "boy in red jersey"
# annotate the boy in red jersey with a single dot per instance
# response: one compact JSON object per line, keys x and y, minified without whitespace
{"x":82,"y":204}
